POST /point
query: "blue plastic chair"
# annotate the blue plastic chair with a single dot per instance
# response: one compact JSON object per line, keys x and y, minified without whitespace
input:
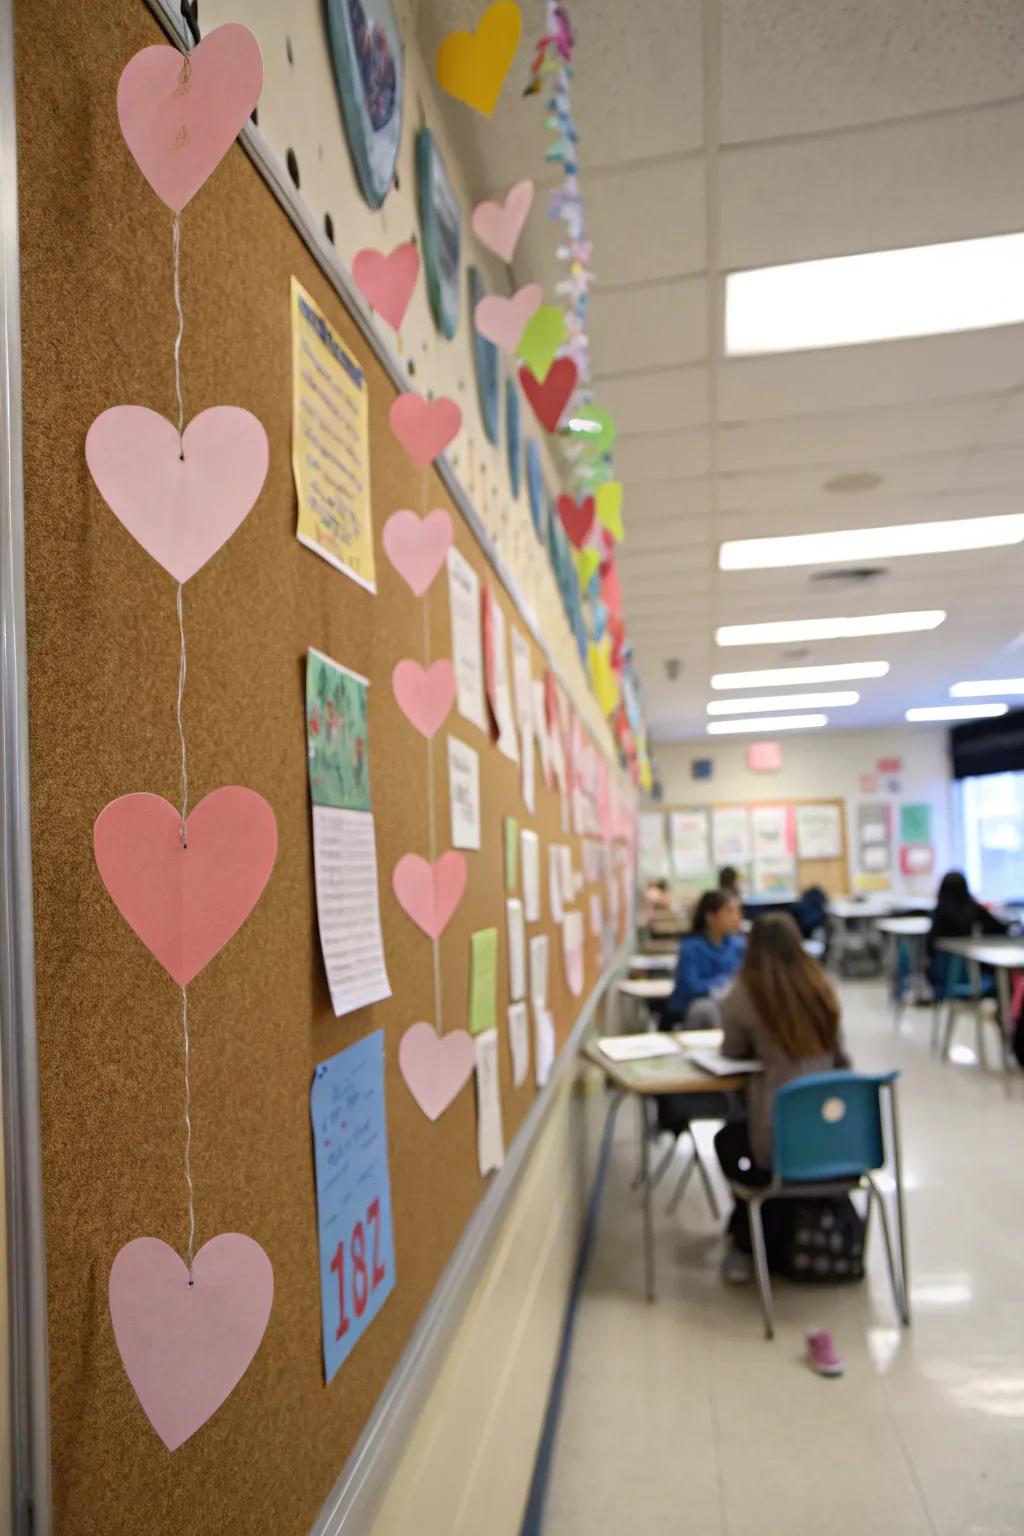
{"x":829,"y":1139}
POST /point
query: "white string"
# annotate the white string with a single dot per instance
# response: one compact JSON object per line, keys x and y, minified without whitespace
{"x":181,"y":332}
{"x":431,"y":826}
{"x":188,"y":1140}
{"x":182,"y":670}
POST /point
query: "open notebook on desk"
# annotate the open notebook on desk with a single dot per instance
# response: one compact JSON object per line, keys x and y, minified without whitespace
{"x":722,"y":1066}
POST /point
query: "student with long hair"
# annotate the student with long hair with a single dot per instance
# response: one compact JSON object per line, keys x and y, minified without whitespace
{"x":782,"y":1011}
{"x":709,"y":957}
{"x":957,"y":914}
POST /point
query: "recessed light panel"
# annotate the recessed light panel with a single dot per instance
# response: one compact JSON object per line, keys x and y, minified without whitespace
{"x":890,"y":543}
{"x":790,"y":677}
{"x":957,"y":712}
{"x":1000,"y":686}
{"x":769,"y":724}
{"x":843,"y":301}
{"x":783,"y":630}
{"x":782,"y":701}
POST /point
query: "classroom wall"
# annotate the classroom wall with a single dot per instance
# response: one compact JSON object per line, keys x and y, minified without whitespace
{"x":826,"y":764}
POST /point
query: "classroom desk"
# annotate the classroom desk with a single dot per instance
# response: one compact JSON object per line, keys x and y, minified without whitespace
{"x":645,"y":989}
{"x":914,"y":930}
{"x":650,"y":1079}
{"x":656,"y":965}
{"x":1003,"y":955}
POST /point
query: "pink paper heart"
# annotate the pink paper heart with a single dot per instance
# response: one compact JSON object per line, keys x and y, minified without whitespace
{"x":499,"y":225}
{"x":185,"y":1348}
{"x":503,"y":321}
{"x":387,"y":282}
{"x":185,"y":903}
{"x":417,"y":546}
{"x":180,"y":510}
{"x":436,"y":1067}
{"x":429,"y":893}
{"x":424,"y":697}
{"x":424,"y":427}
{"x":181,"y":114}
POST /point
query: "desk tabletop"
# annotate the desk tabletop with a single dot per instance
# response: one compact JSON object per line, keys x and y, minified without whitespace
{"x":666,"y":1074}
{"x":650,"y":989}
{"x":658,"y":964}
{"x":991,"y":950}
{"x":905,"y":927}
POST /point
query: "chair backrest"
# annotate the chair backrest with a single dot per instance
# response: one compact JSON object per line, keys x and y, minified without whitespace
{"x":829,"y":1126}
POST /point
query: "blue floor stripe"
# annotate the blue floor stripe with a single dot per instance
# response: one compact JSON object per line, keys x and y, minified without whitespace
{"x":533,"y":1519}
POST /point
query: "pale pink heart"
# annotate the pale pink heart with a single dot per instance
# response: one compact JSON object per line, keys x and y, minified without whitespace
{"x":186,"y":902}
{"x":387,"y":281}
{"x":417,"y":546}
{"x":424,"y":696}
{"x":424,"y":427}
{"x":186,"y":1347}
{"x":436,"y":1067}
{"x":181,"y":114}
{"x":429,"y":893}
{"x":181,"y":510}
{"x":499,"y":225}
{"x":503,"y":321}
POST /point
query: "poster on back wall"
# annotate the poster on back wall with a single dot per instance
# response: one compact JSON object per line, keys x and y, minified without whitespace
{"x":819,"y":833}
{"x":774,"y":849}
{"x":730,"y":835}
{"x":691,"y":844}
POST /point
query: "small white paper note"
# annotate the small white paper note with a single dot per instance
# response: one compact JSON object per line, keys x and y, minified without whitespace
{"x":516,"y":949}
{"x":540,"y":730}
{"x":529,"y":846}
{"x":555,"y":881}
{"x":467,"y":646}
{"x":596,"y":915}
{"x":345,"y":869}
{"x":568,"y":880}
{"x":544,"y":1044}
{"x":498,"y":683}
{"x":464,"y":789}
{"x":490,"y":1138}
{"x":519,"y":1043}
{"x":572,"y":951}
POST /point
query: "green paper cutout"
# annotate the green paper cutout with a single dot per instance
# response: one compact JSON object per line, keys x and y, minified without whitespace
{"x":511,"y":853}
{"x":483,"y":981}
{"x":541,"y":340}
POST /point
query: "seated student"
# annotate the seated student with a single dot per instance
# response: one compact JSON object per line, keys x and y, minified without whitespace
{"x":657,"y":902}
{"x":729,"y":881}
{"x":782,"y":1011}
{"x":709,"y":957}
{"x":957,"y":914}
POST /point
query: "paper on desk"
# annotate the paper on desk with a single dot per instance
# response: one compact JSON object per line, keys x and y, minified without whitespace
{"x":344,"y":843}
{"x":530,"y":848}
{"x":467,"y":651}
{"x":490,"y":1139}
{"x":464,"y":792}
{"x":637,"y":1047}
{"x":516,"y":949}
{"x":519,"y":1043}
{"x":722,"y":1066}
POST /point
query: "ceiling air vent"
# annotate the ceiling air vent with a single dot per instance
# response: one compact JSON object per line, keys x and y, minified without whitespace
{"x":852,"y":576}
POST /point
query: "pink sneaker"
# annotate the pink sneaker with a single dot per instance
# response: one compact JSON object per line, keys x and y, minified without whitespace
{"x":821,"y":1354}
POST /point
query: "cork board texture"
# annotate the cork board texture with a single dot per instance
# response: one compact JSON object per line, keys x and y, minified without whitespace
{"x":98,"y":329}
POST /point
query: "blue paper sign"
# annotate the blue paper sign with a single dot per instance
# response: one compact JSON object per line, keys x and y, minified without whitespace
{"x":353,"y":1195}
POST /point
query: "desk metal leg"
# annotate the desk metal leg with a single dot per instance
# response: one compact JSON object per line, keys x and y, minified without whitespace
{"x":645,"y":1158}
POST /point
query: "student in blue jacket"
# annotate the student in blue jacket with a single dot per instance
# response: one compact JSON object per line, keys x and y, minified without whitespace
{"x":709,"y":958}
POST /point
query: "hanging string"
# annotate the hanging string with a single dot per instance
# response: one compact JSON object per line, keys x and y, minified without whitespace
{"x":188,"y":1140}
{"x":181,"y":332}
{"x":431,"y":815}
{"x":182,"y":671}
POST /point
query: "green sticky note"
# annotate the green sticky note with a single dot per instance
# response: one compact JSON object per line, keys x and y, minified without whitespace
{"x":542,"y":338}
{"x":483,"y":981}
{"x":511,"y":853}
{"x":915,"y":823}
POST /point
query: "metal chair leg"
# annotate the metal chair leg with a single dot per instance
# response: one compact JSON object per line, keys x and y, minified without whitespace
{"x":947,"y":1037}
{"x":706,"y":1180}
{"x":684,"y":1178}
{"x":662,"y":1168}
{"x":936,"y":1025}
{"x":895,"y":1279}
{"x":764,"y":1284}
{"x":979,"y":1037}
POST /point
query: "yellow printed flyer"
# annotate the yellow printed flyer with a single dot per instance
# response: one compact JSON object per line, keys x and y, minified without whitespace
{"x":330,"y":444}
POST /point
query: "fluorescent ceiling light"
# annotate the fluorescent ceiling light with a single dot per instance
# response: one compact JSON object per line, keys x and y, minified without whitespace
{"x":957,"y":712}
{"x":842,"y":301}
{"x":1000,"y":685}
{"x":770,"y":724}
{"x":782,"y":631}
{"x":871,"y":543}
{"x":782,"y":701}
{"x":785,"y":677}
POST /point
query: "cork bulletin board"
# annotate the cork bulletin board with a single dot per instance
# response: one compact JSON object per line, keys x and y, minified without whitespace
{"x":98,"y":326}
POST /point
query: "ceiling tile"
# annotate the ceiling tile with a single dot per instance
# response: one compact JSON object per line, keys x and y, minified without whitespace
{"x":656,"y":401}
{"x":656,"y":327}
{"x":661,"y":455}
{"x":800,"y":66}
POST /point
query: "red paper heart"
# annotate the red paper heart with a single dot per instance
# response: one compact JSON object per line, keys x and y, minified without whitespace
{"x":550,"y":396}
{"x":577,"y":518}
{"x":424,"y":427}
{"x":387,"y":282}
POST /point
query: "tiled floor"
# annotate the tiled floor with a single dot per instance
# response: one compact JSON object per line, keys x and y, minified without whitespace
{"x":681,"y":1417}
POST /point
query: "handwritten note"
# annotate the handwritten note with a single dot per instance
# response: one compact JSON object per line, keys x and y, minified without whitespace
{"x":496,"y":672}
{"x":539,"y":970}
{"x":344,"y":841}
{"x":330,"y":444}
{"x":519,"y":1043}
{"x":530,"y":847}
{"x":490,"y":1138}
{"x":543,"y":1043}
{"x":353,"y":1195}
{"x":516,"y":949}
{"x":464,"y":792}
{"x":555,"y":881}
{"x":467,"y":650}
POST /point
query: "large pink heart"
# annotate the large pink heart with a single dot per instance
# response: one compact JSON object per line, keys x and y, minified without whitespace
{"x":424,"y":427}
{"x":503,"y":321}
{"x":186,"y":902}
{"x":429,"y":893}
{"x":181,"y":510}
{"x":387,"y":282}
{"x":499,"y":225}
{"x":181,"y":114}
{"x":417,"y":546}
{"x":186,"y":1347}
{"x":424,"y":696}
{"x":435,"y":1067}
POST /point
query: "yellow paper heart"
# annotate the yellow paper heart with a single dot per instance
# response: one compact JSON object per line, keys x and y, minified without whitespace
{"x":471,"y":66}
{"x":602,"y":676}
{"x":609,"y":508}
{"x":587,"y":562}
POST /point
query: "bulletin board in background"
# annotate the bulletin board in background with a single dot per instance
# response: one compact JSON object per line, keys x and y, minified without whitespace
{"x":98,"y":326}
{"x":779,"y":847}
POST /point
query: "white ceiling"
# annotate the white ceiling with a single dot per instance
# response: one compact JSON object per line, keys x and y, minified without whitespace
{"x":723,"y":134}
